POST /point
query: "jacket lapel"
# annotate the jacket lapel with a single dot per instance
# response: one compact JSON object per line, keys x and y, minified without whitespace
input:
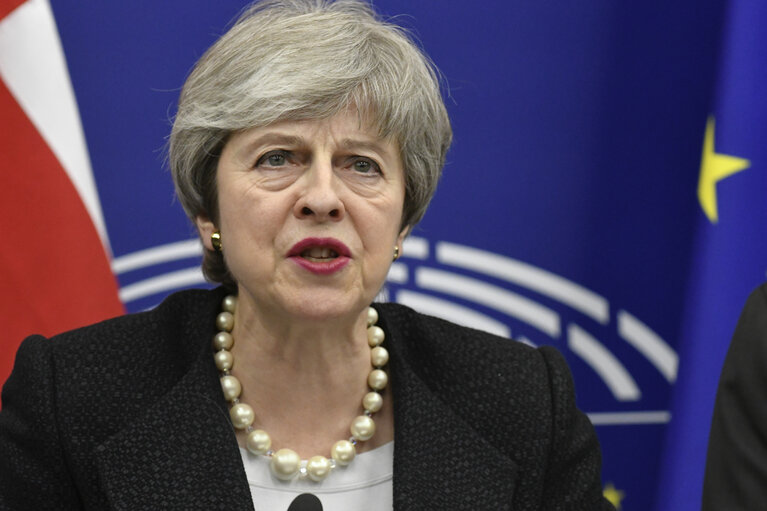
{"x":181,"y":454}
{"x":440,"y":462}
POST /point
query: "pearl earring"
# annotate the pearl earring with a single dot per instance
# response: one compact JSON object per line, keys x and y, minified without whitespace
{"x":215,"y":240}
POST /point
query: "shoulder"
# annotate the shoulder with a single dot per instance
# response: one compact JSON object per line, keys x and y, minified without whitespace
{"x":758,"y":296}
{"x":173,"y":309}
{"x":71,"y":394}
{"x":748,"y":349}
{"x":736,"y":438}
{"x":482,"y":377}
{"x":519,"y":399}
{"x":406,"y":323}
{"x":743,"y":372}
{"x":753,"y":318}
{"x":172,"y":320}
{"x":132,"y":357}
{"x":438,"y":343}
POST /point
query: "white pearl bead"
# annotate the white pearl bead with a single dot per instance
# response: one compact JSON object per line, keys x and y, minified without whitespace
{"x":242,"y":415}
{"x":377,"y":379}
{"x":317,"y":468}
{"x":223,"y":341}
{"x":229,"y":304}
{"x":225,"y":321}
{"x":343,"y":452}
{"x":258,"y":441}
{"x":231,"y":386}
{"x":372,"y":402}
{"x":372,"y":316}
{"x":285,"y":464}
{"x":375,"y":336}
{"x":379,"y":356}
{"x":224,"y":360}
{"x":363,"y":428}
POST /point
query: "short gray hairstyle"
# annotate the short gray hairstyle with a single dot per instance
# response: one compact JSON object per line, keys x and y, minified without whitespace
{"x":307,"y":59}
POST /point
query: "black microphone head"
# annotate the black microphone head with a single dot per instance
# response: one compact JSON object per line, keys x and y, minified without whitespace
{"x":305,"y":502}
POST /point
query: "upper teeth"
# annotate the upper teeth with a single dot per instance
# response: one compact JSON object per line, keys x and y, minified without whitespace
{"x":320,"y":253}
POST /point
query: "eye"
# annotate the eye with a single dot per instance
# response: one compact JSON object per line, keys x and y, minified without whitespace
{"x":273,"y":159}
{"x":365,"y":166}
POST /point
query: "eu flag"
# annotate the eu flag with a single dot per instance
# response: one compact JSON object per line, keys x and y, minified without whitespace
{"x":730,"y":256}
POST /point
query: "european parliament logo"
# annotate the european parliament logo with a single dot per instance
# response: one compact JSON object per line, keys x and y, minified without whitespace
{"x":511,"y":298}
{"x":604,"y":343}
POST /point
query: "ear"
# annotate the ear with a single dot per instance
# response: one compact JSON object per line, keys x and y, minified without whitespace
{"x":205,"y":227}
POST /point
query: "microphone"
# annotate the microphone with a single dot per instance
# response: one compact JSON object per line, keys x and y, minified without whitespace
{"x":305,"y":502}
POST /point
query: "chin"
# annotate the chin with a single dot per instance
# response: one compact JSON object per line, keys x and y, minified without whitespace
{"x":327,"y":306}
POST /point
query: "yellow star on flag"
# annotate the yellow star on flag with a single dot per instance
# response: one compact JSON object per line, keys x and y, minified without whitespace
{"x":614,"y":495}
{"x":713,"y":168}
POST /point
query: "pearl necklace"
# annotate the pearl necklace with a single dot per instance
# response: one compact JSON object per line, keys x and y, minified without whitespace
{"x":285,"y":463}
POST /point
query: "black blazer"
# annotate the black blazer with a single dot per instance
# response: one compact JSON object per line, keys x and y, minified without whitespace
{"x":736,"y":463}
{"x":128,"y":414}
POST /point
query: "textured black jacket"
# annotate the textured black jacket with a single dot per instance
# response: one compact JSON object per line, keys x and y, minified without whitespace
{"x":128,"y":414}
{"x":736,"y":464}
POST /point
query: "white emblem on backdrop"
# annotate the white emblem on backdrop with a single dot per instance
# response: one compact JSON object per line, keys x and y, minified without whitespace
{"x":482,"y":290}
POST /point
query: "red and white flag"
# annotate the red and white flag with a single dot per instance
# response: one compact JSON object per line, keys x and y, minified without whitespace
{"x":54,"y":250}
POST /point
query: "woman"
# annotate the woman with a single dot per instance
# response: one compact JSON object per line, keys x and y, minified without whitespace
{"x":308,"y":141}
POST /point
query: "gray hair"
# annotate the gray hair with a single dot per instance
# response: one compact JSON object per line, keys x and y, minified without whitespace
{"x":307,"y":59}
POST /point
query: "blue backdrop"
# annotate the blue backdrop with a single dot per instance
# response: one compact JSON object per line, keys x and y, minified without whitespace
{"x":568,"y":211}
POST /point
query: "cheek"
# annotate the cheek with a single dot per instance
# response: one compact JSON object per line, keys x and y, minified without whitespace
{"x":253,"y":217}
{"x":382,"y":231}
{"x":394,"y":215}
{"x":387,"y":206}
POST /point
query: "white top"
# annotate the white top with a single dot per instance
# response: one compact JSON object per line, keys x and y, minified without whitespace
{"x":366,"y":484}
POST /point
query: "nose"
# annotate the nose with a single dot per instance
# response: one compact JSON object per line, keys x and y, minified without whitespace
{"x":319,"y":199}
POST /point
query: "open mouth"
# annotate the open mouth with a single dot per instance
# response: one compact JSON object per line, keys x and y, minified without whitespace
{"x":319,"y":254}
{"x":319,"y":250}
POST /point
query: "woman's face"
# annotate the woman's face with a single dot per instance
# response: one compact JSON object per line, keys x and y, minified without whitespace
{"x":309,"y":214}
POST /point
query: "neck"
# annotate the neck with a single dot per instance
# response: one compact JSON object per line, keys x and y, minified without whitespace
{"x":325,"y":349}
{"x":304,"y":379}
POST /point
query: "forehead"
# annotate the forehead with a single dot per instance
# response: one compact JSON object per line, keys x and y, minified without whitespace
{"x":346,"y":129}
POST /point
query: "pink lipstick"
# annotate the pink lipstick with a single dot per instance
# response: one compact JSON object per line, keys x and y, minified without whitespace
{"x":322,"y":256}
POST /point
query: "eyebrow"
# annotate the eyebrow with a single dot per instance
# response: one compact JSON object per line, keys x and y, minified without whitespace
{"x":350,"y":143}
{"x":275,"y":139}
{"x":282,"y":139}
